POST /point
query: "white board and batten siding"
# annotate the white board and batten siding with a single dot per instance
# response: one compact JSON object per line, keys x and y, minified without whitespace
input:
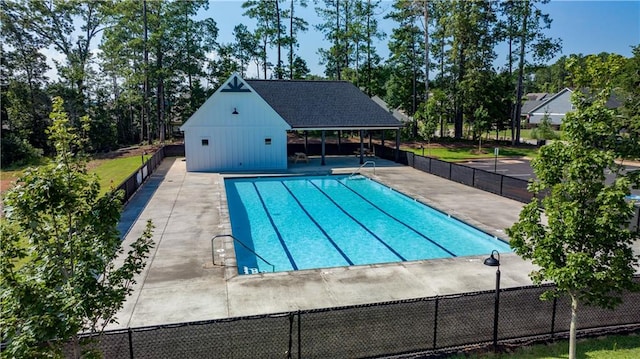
{"x":217,"y":140}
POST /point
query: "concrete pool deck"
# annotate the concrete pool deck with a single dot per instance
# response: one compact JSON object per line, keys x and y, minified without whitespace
{"x":181,"y":283}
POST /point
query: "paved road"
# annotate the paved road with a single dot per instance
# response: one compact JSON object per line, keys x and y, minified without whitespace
{"x":521,"y":168}
{"x":513,"y":167}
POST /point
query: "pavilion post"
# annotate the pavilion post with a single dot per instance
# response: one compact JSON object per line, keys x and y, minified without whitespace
{"x":323,"y":149}
{"x":361,"y":146}
{"x":398,"y":145}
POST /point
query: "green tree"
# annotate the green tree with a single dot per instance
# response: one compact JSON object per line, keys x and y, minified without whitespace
{"x":593,"y":73}
{"x":578,"y":233}
{"x":296,"y":25}
{"x":544,"y":131}
{"x":630,"y":91}
{"x":268,"y":29}
{"x":156,"y":44}
{"x":59,"y":250}
{"x":331,"y":58}
{"x":406,"y":59}
{"x":55,"y":23}
{"x":525,"y":24}
{"x":224,"y":65}
{"x":427,"y":116}
{"x":245,"y":47}
{"x":472,"y":40}
{"x":300,"y":69}
{"x":190,"y":42}
{"x":25,"y":104}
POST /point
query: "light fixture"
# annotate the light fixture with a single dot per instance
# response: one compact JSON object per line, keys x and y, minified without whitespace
{"x":492,"y":261}
{"x":235,"y":111}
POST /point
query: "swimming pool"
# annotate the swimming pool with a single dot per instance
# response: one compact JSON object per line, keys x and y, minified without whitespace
{"x":297,"y":223}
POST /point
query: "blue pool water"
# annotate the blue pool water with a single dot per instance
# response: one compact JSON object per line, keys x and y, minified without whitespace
{"x":299,"y":223}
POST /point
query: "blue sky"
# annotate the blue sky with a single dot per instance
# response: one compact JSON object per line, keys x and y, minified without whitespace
{"x":586,"y":27}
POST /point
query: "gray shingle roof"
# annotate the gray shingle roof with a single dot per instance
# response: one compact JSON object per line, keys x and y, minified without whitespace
{"x":323,"y":104}
{"x":529,"y":105}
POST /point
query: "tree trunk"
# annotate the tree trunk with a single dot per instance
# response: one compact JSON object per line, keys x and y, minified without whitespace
{"x":426,"y":50}
{"x":458,"y":122}
{"x":145,"y":115}
{"x":264,"y":59}
{"x":346,"y":34}
{"x":337,"y":40}
{"x":77,"y":350}
{"x":414,"y":97}
{"x":442,"y":76}
{"x":190,"y":80}
{"x":368,"y":87}
{"x":160,"y":97}
{"x":291,"y":43}
{"x":519,"y":91}
{"x":279,"y":66}
{"x":573,"y":327}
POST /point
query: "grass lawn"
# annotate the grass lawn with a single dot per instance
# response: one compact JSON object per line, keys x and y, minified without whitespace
{"x":459,"y":153}
{"x":112,"y":172}
{"x":610,"y":347}
{"x":525,"y":133}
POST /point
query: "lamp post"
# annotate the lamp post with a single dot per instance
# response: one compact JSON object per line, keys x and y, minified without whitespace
{"x":492,"y":261}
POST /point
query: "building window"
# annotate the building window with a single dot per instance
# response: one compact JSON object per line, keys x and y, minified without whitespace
{"x":267,"y":141}
{"x":205,"y":142}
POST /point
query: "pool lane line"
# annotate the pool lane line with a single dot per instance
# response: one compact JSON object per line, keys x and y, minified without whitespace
{"x":275,"y":228}
{"x":397,"y":220}
{"x":358,"y":222}
{"x":344,"y":255}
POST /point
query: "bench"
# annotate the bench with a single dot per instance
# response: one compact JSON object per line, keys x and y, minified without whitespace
{"x":365,"y":152}
{"x":300,"y":156}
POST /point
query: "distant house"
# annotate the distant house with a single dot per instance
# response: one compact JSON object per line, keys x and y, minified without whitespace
{"x":555,"y":106}
{"x":243,"y":125}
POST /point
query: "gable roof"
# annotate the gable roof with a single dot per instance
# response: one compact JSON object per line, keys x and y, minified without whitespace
{"x":529,"y":105}
{"x":536,"y":96}
{"x":318,"y":105}
{"x":534,"y":99}
{"x":546,"y":100}
{"x":399,"y":115}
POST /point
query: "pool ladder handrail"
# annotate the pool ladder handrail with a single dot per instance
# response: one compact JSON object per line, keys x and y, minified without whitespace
{"x":364,"y":164}
{"x":273,"y":268}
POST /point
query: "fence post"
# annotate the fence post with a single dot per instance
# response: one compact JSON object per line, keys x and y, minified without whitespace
{"x":501,"y":183}
{"x":299,"y":337}
{"x":130,"y":343}
{"x":450,"y":166}
{"x":553,"y":316}
{"x":290,"y":335}
{"x":435,"y":323}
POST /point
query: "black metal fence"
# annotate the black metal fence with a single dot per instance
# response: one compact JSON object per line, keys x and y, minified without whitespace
{"x":420,"y":325}
{"x":510,"y":187}
{"x":383,"y":329}
{"x":133,"y":182}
